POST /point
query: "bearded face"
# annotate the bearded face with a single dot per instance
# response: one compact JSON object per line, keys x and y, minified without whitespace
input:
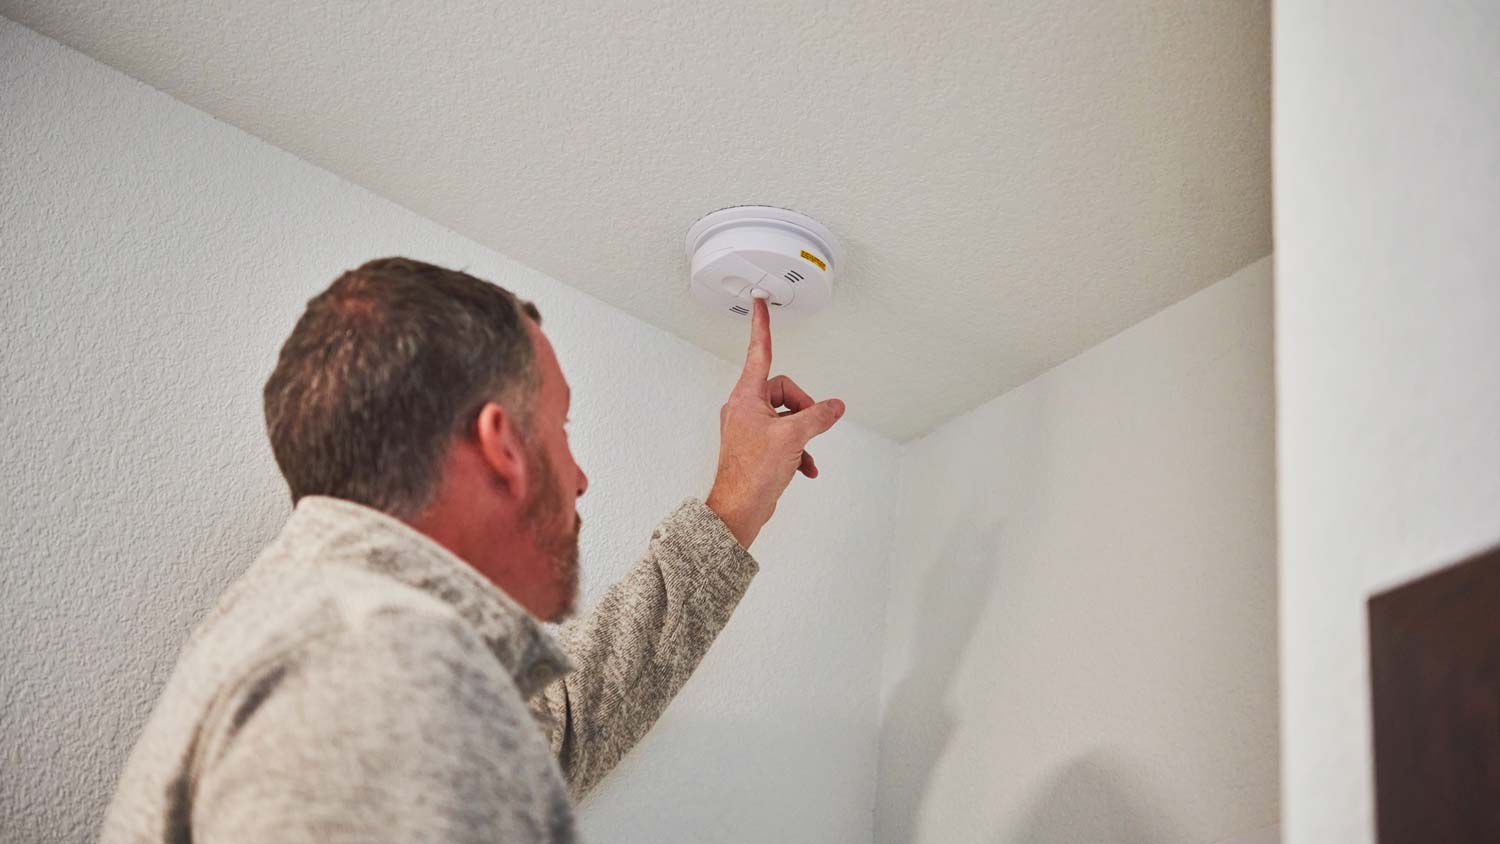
{"x":554,"y":527}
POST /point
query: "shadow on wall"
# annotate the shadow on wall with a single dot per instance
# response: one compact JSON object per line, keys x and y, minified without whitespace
{"x":918,"y":723}
{"x":1093,"y":799}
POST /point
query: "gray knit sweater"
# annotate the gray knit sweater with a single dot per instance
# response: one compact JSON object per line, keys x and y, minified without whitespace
{"x":361,"y":683}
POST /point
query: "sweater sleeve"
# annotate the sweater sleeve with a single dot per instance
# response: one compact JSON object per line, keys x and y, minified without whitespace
{"x":403,"y":728}
{"x":635,"y":650}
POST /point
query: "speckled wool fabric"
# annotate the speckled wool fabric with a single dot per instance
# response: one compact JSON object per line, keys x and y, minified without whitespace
{"x":361,"y":683}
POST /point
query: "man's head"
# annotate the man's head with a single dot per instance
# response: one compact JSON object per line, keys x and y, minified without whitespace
{"x":433,"y":396}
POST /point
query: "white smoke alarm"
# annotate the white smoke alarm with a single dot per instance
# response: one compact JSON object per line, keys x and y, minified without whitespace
{"x":757,"y":251}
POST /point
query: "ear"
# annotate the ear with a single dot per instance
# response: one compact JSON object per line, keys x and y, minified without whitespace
{"x":502,"y":449}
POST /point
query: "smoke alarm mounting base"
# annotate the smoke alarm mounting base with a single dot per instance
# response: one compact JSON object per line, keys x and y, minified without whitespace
{"x":749,"y":252}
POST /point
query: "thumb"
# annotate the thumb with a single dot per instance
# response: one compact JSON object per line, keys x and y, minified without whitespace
{"x":814,"y":420}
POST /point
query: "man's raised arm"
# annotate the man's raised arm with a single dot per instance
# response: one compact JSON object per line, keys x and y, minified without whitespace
{"x":635,"y":650}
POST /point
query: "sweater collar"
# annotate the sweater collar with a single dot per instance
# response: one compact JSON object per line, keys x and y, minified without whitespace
{"x":353,"y":534}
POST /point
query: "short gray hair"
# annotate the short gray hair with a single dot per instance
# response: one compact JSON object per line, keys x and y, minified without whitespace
{"x":384,"y":369}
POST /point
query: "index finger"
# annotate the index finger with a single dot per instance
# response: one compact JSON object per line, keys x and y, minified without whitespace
{"x":758,"y":356}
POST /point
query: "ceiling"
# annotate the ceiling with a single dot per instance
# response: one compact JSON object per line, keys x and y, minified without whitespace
{"x":1013,"y":181}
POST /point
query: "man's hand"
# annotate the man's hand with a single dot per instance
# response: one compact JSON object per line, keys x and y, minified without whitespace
{"x":760,"y":449}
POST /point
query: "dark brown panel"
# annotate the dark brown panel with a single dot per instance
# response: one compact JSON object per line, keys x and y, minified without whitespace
{"x":1435,"y":681}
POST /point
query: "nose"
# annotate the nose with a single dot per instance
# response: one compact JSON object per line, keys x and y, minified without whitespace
{"x":583,"y":483}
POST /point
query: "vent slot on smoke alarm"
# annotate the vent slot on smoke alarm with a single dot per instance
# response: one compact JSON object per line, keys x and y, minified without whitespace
{"x":740,"y":253}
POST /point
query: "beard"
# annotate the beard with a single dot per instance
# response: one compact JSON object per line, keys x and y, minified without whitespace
{"x":546,"y":515}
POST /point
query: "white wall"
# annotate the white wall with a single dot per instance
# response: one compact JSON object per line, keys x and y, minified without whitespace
{"x":1081,"y":629}
{"x":153,"y":260}
{"x":1388,"y":350}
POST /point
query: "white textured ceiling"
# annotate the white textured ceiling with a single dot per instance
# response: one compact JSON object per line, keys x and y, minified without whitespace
{"x":1014,"y":181}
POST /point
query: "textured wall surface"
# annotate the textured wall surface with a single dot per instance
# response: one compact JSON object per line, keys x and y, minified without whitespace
{"x":154,"y":260}
{"x":1081,"y":631}
{"x":1015,"y":181}
{"x":1388,"y":352}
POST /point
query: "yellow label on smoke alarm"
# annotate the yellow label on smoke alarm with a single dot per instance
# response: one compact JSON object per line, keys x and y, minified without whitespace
{"x":815,"y":259}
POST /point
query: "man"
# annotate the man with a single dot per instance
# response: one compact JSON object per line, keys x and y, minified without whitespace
{"x":379,"y":673}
